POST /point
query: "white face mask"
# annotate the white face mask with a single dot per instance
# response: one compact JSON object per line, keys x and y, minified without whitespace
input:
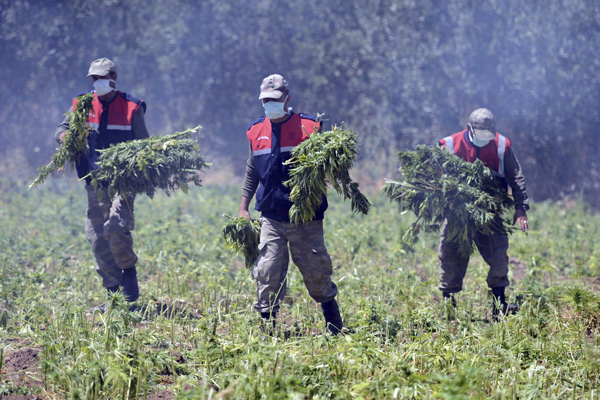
{"x":477,"y":142}
{"x":274,"y":109}
{"x":103,"y":87}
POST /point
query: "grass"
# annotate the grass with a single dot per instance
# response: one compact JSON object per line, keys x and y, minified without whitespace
{"x":198,"y":336}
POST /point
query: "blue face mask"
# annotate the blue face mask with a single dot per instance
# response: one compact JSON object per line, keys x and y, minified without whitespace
{"x":275,"y":109}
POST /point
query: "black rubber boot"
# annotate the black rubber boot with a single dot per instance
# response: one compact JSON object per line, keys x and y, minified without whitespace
{"x":498,"y":295}
{"x":448,"y":312}
{"x":110,"y":291}
{"x":449,"y":297}
{"x":130,"y":285}
{"x":333,"y":319}
{"x":268,"y":323}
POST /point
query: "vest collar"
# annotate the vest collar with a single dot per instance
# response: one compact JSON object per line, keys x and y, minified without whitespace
{"x":107,"y":102}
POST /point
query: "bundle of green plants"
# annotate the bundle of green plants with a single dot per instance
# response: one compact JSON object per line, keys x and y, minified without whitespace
{"x":75,"y":144}
{"x":322,"y":160}
{"x":142,"y":166}
{"x":437,"y":185}
{"x":242,"y":236}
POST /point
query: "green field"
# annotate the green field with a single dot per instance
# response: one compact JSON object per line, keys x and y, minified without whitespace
{"x":198,"y":336}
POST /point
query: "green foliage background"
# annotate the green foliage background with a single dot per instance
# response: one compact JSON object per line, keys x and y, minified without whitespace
{"x":398,"y":72}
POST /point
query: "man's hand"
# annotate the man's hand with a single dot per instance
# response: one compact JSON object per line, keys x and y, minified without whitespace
{"x":245,"y":214}
{"x":61,"y":137}
{"x":521,"y":216}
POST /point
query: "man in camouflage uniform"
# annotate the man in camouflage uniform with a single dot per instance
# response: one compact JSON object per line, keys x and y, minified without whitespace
{"x":115,"y":117}
{"x":481,"y":141}
{"x":272,"y":138}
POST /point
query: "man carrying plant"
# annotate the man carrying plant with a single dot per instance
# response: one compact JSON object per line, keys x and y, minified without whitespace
{"x":272,"y":138}
{"x":115,"y":117}
{"x":480,"y":141}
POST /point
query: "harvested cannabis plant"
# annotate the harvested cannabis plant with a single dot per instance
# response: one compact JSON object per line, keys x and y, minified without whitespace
{"x":242,"y":236}
{"x":75,"y":144}
{"x":437,"y":185}
{"x":142,"y":166}
{"x":325,"y":158}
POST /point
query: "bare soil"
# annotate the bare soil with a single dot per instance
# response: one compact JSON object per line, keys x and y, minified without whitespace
{"x":161,"y":395}
{"x":21,"y":370}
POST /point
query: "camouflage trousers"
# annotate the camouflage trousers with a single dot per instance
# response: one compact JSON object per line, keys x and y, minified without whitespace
{"x":307,"y":246}
{"x":493,"y":249}
{"x":108,"y":228}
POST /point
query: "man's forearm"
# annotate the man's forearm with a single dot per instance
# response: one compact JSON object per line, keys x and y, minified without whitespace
{"x":245,"y":203}
{"x":138,"y":124}
{"x":251,"y":180}
{"x":516,"y":180}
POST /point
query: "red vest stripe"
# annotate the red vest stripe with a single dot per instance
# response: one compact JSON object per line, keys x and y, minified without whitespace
{"x":501,"y":140}
{"x":259,"y":136}
{"x":448,"y":143}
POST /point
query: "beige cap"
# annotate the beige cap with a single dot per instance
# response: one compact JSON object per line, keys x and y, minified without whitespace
{"x":101,"y":67}
{"x":483,"y":124}
{"x":272,"y":87}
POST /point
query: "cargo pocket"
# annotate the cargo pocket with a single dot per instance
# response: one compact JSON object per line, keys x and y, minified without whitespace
{"x":89,"y":229}
{"x":322,"y":261}
{"x":262,"y":249}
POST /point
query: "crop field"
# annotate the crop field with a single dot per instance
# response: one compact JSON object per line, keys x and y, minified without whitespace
{"x":197,"y":335}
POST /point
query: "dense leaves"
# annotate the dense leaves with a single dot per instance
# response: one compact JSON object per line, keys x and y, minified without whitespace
{"x":322,"y":160}
{"x":143,"y":166}
{"x":242,"y":236}
{"x":75,"y":144}
{"x":437,"y":185}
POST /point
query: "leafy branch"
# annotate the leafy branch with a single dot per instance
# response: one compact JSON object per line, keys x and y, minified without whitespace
{"x":142,"y":166}
{"x":242,"y":236}
{"x":437,"y":185}
{"x":322,"y":160}
{"x":75,"y":144}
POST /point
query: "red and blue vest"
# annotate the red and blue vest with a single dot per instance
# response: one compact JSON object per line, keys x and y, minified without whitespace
{"x":492,"y":154}
{"x":109,"y":123}
{"x":271,"y":145}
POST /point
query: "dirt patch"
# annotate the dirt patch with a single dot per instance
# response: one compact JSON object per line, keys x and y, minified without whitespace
{"x":168,"y":395}
{"x":592,"y":283}
{"x":20,"y":361}
{"x":161,"y":395}
{"x":174,"y":308}
{"x":21,"y":374}
{"x":23,"y":397}
{"x":178,"y":357}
